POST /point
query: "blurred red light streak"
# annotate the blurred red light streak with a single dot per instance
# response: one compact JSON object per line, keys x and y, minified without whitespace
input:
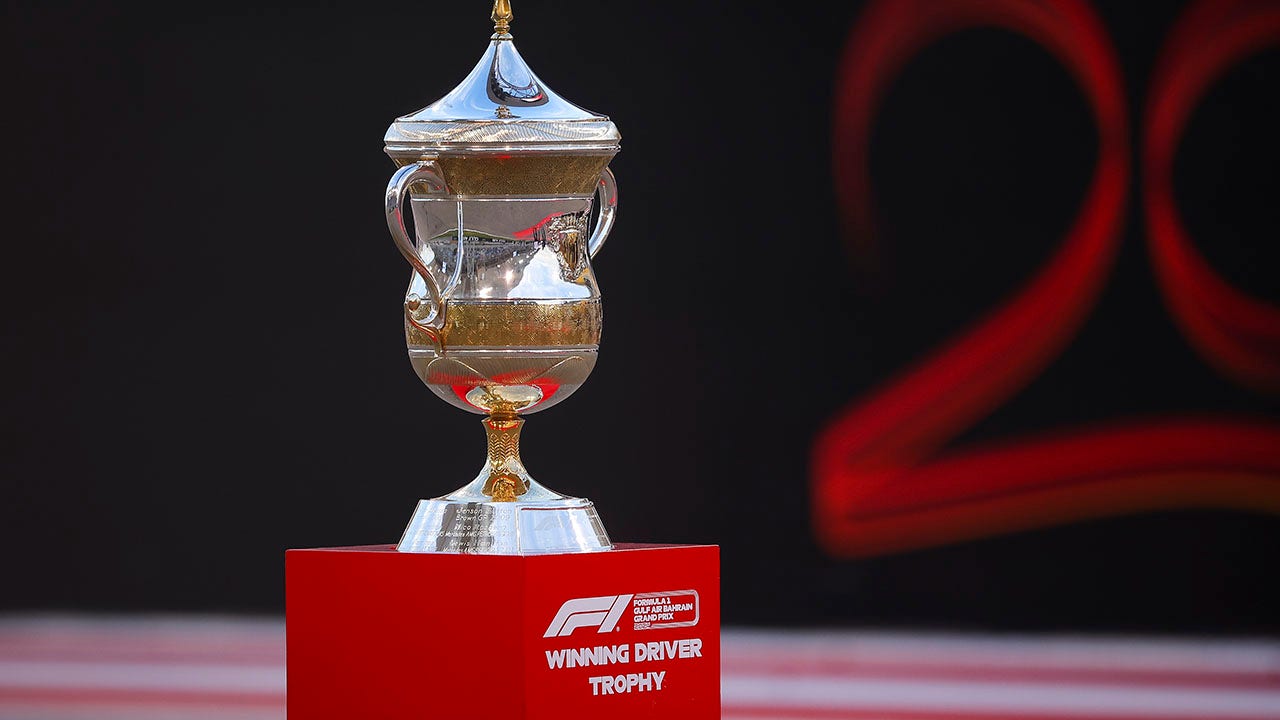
{"x":876,"y":485}
{"x":1238,"y":333}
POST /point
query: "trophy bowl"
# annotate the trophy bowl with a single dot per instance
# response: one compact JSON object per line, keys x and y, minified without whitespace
{"x":502,"y":314}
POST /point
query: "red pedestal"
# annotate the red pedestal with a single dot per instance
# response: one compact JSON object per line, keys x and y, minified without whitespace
{"x":626,"y":634}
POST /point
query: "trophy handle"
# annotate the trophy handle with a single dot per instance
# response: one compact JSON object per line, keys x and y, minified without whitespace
{"x":422,"y":173}
{"x":607,"y":192}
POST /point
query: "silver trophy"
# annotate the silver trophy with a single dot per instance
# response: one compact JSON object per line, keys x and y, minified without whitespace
{"x":502,"y":315}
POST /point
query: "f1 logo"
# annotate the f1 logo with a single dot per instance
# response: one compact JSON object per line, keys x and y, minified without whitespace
{"x":602,"y":612}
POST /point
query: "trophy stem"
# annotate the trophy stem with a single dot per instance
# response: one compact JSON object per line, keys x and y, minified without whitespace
{"x":507,"y":479}
{"x":503,"y":511}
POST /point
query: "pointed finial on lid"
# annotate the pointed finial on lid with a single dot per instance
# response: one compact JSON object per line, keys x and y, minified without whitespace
{"x":501,"y":16}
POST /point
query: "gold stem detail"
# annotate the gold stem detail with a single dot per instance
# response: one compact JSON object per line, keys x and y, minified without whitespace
{"x":505,"y":482}
{"x":501,"y":17}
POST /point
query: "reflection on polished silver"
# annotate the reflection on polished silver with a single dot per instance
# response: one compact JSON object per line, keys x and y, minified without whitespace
{"x":488,"y":528}
{"x":501,"y":103}
{"x":502,"y":316}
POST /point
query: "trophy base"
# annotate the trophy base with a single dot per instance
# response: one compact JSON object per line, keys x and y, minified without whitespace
{"x":629,"y":634}
{"x":523,"y":527}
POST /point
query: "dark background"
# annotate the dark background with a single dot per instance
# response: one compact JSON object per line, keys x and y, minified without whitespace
{"x":202,"y":338}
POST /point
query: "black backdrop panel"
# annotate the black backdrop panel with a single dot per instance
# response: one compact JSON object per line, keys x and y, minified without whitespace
{"x":203,"y":345}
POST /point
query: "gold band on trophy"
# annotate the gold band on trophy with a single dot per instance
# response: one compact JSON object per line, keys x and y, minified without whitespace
{"x":573,"y":323}
{"x":544,"y":174}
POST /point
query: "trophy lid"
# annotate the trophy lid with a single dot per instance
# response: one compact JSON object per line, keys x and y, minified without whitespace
{"x":500,"y":107}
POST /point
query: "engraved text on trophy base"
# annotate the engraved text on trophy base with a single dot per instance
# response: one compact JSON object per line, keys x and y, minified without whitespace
{"x":466,"y":528}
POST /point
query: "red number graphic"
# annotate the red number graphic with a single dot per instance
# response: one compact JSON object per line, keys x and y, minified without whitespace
{"x":880,"y":480}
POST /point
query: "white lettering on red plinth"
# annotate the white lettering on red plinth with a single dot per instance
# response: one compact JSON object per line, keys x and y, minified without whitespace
{"x":647,"y":611}
{"x":634,"y":682}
